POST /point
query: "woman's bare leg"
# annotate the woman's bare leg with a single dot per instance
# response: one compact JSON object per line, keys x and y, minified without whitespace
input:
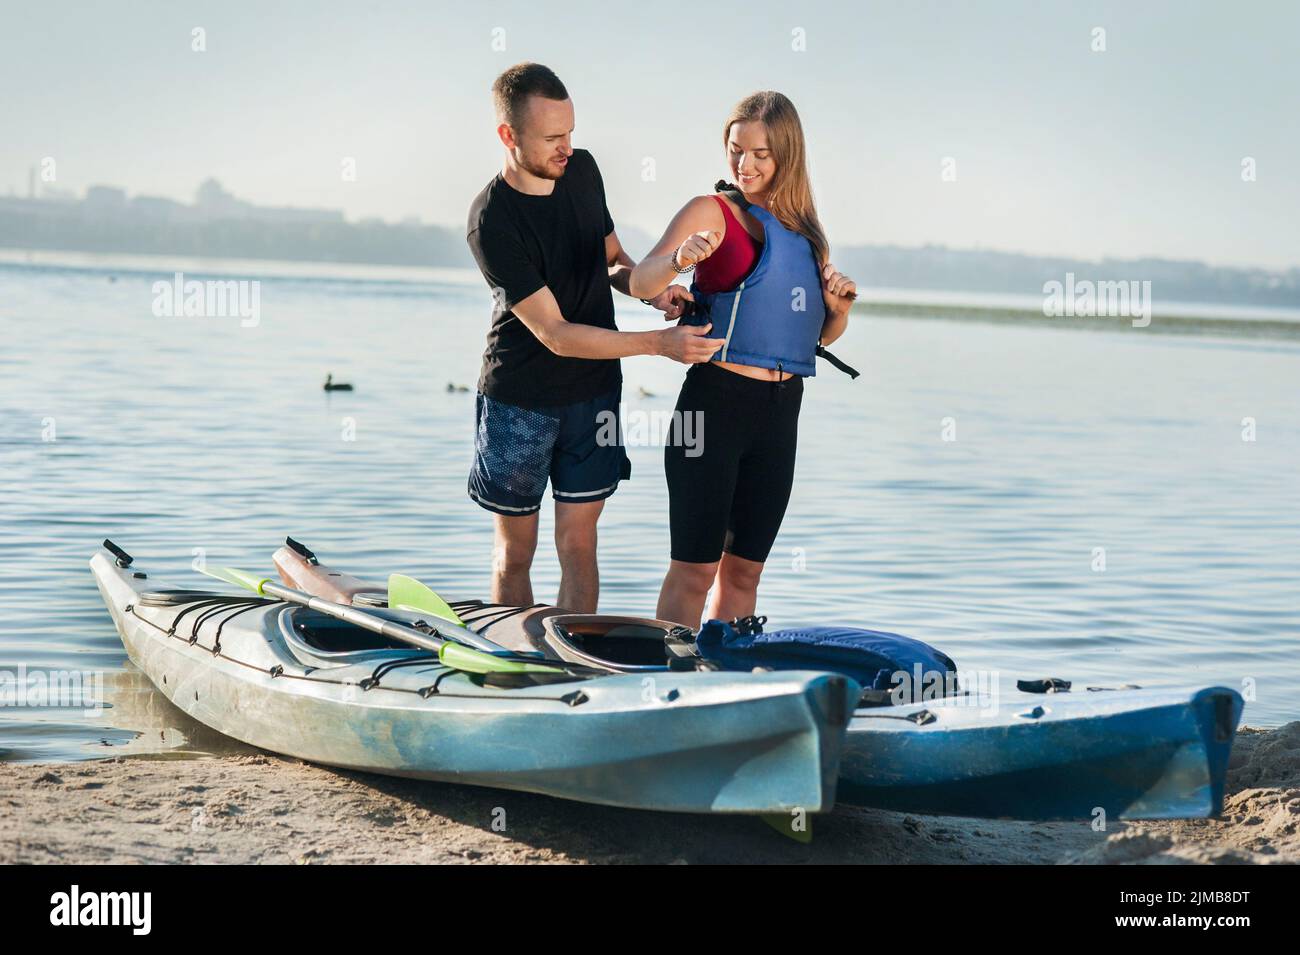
{"x":685,"y":588}
{"x":736,"y":592}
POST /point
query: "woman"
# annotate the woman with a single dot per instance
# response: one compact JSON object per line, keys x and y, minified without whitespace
{"x":764,"y":283}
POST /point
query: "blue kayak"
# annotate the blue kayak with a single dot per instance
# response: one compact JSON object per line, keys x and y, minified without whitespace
{"x":1136,"y":754}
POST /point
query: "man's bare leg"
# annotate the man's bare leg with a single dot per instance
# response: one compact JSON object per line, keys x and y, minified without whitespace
{"x":515,"y":542}
{"x":575,"y":543}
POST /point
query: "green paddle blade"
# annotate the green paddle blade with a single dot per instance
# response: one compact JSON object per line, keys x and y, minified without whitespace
{"x":469,"y":660}
{"x":407,"y":593}
{"x":454,"y":655}
{"x":240,"y":578}
{"x":783,"y":822}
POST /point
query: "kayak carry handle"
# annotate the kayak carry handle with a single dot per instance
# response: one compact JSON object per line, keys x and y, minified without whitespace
{"x":124,"y":559}
{"x":302,"y":550}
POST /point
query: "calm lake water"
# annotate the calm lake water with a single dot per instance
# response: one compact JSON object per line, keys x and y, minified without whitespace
{"x":965,"y":490}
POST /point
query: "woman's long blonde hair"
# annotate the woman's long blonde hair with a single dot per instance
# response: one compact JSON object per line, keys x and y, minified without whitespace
{"x":790,"y":199}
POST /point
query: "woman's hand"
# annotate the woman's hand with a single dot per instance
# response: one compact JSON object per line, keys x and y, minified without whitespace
{"x":697,"y":248}
{"x":838,"y":290}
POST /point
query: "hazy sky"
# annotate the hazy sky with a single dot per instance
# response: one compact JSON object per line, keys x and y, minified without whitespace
{"x":1137,"y":150}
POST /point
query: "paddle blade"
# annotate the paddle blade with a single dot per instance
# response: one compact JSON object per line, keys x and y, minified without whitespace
{"x":240,"y":578}
{"x":469,"y":660}
{"x":784,"y":823}
{"x":407,"y":593}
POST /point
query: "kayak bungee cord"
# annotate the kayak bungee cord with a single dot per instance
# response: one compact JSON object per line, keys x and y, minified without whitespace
{"x":501,"y":611}
{"x":919,"y":718}
{"x":211,"y":614}
{"x":372,"y":681}
{"x":569,"y":699}
{"x":207,"y":605}
{"x":468,"y":651}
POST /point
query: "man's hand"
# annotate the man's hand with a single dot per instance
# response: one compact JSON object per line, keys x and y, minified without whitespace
{"x":672,"y":302}
{"x":686,"y":344}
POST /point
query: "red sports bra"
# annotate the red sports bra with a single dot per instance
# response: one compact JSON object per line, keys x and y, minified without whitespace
{"x":734,"y":258}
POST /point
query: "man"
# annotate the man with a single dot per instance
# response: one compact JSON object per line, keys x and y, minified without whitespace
{"x":544,"y":241}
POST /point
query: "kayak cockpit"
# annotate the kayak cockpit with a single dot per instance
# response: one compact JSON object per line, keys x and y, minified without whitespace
{"x":318,"y":639}
{"x":622,"y":643}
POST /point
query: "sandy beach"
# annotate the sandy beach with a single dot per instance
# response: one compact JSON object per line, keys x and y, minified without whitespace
{"x":259,"y":808}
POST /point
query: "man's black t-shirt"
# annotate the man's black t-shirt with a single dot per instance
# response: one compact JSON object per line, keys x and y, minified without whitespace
{"x":524,"y":242}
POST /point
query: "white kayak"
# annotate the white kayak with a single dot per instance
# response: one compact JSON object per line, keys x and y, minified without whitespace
{"x":294,"y":681}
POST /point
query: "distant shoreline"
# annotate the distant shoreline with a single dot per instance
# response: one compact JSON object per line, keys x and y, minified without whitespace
{"x":1161,"y":324}
{"x":1183,"y":318}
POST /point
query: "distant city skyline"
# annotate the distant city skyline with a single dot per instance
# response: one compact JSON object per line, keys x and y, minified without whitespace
{"x":211,"y":200}
{"x":1111,"y":130}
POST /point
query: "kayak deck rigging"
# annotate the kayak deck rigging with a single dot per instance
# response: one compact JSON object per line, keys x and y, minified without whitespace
{"x":209,"y":606}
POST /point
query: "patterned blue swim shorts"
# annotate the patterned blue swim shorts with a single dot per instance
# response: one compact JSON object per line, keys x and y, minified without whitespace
{"x":577,"y":447}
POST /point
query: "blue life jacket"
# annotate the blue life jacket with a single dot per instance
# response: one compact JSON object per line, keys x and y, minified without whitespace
{"x":774,"y":318}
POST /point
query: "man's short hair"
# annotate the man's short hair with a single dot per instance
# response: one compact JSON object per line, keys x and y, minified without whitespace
{"x":510,"y":90}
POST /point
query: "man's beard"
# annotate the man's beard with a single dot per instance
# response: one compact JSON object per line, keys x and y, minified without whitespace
{"x":543,"y":171}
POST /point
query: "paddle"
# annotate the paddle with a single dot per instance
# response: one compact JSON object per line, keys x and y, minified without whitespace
{"x":450,"y":653}
{"x":407,"y":593}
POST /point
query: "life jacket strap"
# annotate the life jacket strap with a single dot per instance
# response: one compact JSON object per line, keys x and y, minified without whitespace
{"x":842,"y":366}
{"x":733,"y":193}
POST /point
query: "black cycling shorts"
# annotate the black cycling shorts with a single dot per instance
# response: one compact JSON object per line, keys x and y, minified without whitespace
{"x":730,"y":463}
